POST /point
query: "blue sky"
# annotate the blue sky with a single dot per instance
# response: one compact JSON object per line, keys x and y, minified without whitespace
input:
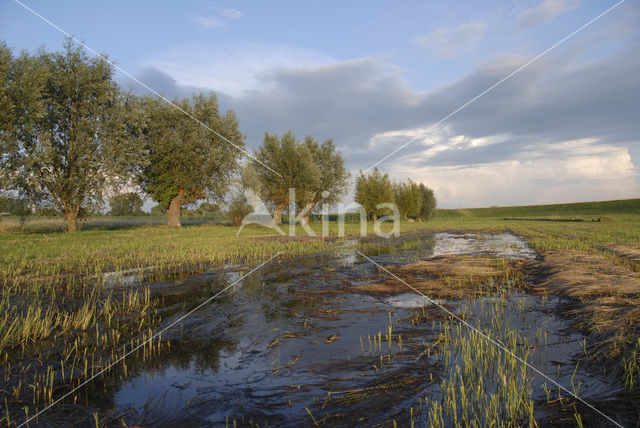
{"x":372,"y":74}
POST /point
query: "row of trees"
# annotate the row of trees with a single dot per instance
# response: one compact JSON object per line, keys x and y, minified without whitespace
{"x":413,"y":200}
{"x":69,"y":137}
{"x":315,"y":170}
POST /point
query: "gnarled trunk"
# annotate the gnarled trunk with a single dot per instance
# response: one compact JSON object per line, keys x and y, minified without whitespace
{"x":173,"y":213}
{"x":71,"y":216}
{"x":277,"y":214}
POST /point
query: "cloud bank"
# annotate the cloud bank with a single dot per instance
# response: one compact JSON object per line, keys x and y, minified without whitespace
{"x":560,"y":130}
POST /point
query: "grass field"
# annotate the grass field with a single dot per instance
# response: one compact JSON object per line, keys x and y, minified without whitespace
{"x":37,"y":252}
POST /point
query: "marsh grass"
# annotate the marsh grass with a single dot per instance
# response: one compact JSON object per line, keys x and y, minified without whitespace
{"x":486,"y":385}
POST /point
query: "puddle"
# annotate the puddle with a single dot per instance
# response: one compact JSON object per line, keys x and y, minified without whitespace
{"x":124,"y":278}
{"x":293,"y":340}
{"x":500,"y":244}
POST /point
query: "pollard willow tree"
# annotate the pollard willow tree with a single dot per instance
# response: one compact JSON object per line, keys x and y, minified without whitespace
{"x":185,"y":160}
{"x":333,"y":182}
{"x":373,"y":189}
{"x":63,"y":136}
{"x":408,"y":198}
{"x":296,"y":169}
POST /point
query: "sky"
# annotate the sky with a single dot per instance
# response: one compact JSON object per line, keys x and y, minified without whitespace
{"x":375,"y":75}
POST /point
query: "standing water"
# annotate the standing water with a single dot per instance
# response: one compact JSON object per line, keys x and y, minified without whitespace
{"x":297,"y":343}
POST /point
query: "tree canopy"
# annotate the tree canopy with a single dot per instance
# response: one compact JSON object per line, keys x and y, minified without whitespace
{"x":414,"y":200}
{"x":408,"y":198}
{"x":294,"y":162}
{"x":14,"y":206}
{"x":62,"y":139}
{"x":187,"y":162}
{"x":428,"y":202}
{"x":238,"y":209}
{"x":373,"y":189}
{"x":333,"y":182}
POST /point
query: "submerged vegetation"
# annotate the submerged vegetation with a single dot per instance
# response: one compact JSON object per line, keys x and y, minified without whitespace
{"x":70,"y":304}
{"x":487,"y":385}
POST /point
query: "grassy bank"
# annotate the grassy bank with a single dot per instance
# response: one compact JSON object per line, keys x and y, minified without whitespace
{"x":554,"y":211}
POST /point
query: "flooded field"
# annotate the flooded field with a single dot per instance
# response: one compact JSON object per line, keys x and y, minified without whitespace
{"x":332,"y":340}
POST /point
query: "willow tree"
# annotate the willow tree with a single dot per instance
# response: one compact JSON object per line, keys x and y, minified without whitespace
{"x":408,"y":198}
{"x":372,"y":190}
{"x":187,"y":161}
{"x":333,"y":182}
{"x":62,"y":139}
{"x":296,"y":169}
{"x":428,"y":202}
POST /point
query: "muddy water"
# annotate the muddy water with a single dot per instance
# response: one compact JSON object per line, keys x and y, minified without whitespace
{"x":293,"y":345}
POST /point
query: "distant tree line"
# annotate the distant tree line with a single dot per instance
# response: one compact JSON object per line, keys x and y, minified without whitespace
{"x":128,"y":203}
{"x":70,"y":137}
{"x":415,"y":201}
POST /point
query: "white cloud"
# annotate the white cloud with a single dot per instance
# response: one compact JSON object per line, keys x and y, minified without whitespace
{"x":449,"y":41}
{"x":219,"y":18}
{"x":208,"y":21}
{"x":545,"y":11}
{"x":438,"y":140}
{"x":566,"y":171}
{"x":232,"y":13}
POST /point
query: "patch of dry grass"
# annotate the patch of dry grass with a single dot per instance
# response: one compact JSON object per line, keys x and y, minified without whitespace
{"x":451,"y":277}
{"x":578,"y":274}
{"x":605,"y":302}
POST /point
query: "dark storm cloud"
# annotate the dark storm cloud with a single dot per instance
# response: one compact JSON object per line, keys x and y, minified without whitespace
{"x":351,"y":101}
{"x":552,"y":100}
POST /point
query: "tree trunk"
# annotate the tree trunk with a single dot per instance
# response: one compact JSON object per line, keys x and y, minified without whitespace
{"x":306,"y":212}
{"x":71,"y":215}
{"x":173,"y":213}
{"x":277,"y":214}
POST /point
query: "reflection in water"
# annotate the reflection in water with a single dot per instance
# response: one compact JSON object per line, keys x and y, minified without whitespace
{"x":293,"y":339}
{"x":409,"y":301}
{"x":502,"y":244}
